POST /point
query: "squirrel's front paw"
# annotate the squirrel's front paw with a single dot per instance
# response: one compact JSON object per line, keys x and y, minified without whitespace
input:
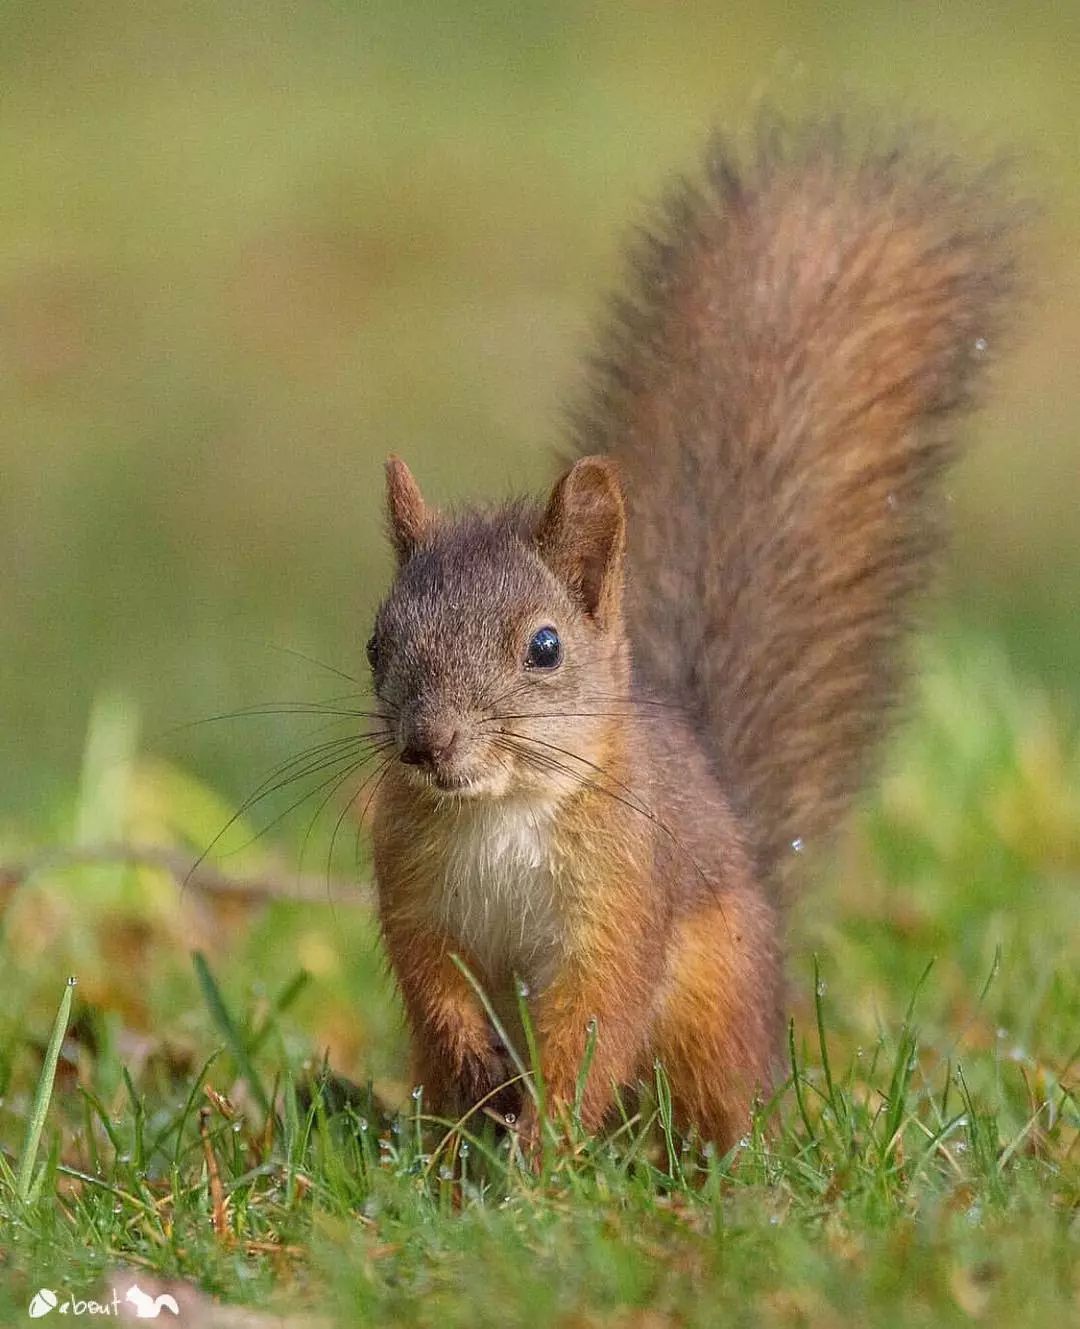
{"x":490,"y":1080}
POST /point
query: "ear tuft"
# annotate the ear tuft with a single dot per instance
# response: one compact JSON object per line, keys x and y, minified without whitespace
{"x":410,"y":518}
{"x":583,"y":533}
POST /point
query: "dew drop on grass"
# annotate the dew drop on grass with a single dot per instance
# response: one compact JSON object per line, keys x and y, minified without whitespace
{"x":981,"y":346}
{"x":510,"y":1118}
{"x":522,"y":988}
{"x":821,"y":988}
{"x":798,"y":844}
{"x":418,"y":1093}
{"x":363,"y":1123}
{"x":464,"y":1147}
{"x":446,"y":1173}
{"x":237,"y":1127}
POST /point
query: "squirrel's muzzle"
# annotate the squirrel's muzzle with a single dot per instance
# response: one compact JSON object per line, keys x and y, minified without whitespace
{"x":432,"y":745}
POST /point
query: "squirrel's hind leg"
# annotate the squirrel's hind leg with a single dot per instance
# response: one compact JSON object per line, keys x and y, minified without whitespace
{"x":716,"y":1032}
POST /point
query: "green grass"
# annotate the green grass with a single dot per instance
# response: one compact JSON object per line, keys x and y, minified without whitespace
{"x":918,"y":1165}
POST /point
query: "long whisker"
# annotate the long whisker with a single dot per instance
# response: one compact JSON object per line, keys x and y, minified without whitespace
{"x":526,"y":685}
{"x":565,"y":752}
{"x":639,"y":695}
{"x":632,"y":700}
{"x":316,"y":753}
{"x":376,"y":750}
{"x":325,"y":725}
{"x":378,"y":775}
{"x":569,"y":715}
{"x":277,"y":708}
{"x":335,"y":775}
{"x":543,"y":761}
{"x":516,"y":687}
{"x":292,"y":708}
{"x":316,"y":759}
{"x":308,"y":659}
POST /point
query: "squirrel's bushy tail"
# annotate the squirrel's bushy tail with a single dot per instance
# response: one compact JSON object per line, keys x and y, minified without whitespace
{"x":781,"y":392}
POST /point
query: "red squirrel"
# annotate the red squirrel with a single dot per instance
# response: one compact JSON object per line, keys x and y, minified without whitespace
{"x":617,"y":714}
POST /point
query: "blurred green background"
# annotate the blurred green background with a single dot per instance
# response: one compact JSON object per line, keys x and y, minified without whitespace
{"x":247,"y":250}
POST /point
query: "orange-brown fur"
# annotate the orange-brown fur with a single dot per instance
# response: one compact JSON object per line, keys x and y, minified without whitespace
{"x":669,"y":958}
{"x":729,"y":583}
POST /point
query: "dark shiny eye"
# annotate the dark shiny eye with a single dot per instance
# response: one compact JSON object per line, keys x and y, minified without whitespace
{"x":373,"y":652}
{"x":545,"y":650}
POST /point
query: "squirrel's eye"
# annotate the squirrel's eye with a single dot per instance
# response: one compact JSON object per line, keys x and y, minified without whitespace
{"x":545,"y":650}
{"x":373,"y":652}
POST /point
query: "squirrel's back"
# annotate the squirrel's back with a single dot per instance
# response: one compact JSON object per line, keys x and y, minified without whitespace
{"x":781,"y":393}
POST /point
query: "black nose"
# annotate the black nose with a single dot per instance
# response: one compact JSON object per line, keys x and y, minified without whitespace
{"x":429,"y":750}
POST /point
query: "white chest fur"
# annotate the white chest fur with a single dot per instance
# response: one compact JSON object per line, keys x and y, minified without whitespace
{"x":499,"y":889}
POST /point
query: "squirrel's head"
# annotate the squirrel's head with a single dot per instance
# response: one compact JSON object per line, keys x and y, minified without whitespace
{"x":499,"y":654}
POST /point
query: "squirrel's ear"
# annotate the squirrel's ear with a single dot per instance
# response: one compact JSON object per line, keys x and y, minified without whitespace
{"x":582,"y":535}
{"x":409,"y":516}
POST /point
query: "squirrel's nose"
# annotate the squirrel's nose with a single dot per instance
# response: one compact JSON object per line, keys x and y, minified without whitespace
{"x":430,"y":747}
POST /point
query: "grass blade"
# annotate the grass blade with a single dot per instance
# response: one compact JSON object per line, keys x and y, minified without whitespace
{"x":796,"y":1079}
{"x":823,"y":1044}
{"x":230,"y":1031}
{"x":281,"y":1003}
{"x":24,"y":1178}
{"x":497,"y":1025}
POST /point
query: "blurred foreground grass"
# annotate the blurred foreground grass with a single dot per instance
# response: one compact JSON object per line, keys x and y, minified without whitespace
{"x":927,"y":1172}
